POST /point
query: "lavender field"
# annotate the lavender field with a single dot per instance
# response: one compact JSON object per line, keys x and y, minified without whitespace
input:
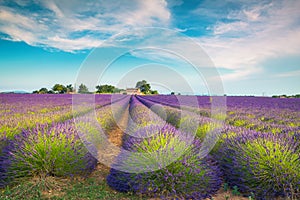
{"x":256,"y":153}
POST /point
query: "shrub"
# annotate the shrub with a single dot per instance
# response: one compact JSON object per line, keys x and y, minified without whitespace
{"x":173,"y":166}
{"x":44,"y":151}
{"x":267,"y":165}
{"x":3,"y":143}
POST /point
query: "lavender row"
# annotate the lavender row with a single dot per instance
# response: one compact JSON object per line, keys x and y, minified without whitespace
{"x":265,"y":166}
{"x":54,"y":150}
{"x":291,"y":127}
{"x":187,"y":121}
{"x":259,"y":106}
{"x":165,"y":160}
{"x":25,"y":111}
{"x":260,"y":164}
{"x":238,"y":102}
{"x":43,"y":151}
{"x":94,"y":127}
{"x":282,"y":121}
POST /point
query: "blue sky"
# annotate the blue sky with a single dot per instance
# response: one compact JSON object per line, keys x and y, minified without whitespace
{"x":254,"y":45}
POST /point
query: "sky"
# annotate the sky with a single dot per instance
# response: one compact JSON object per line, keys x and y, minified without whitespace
{"x":235,"y":47}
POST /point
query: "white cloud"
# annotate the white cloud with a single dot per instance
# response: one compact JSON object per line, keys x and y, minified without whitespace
{"x":255,"y":34}
{"x":147,"y":14}
{"x":252,"y":15}
{"x":55,"y":26}
{"x":19,"y":27}
{"x":222,"y":28}
{"x":258,"y":33}
{"x":173,"y":3}
{"x":73,"y":44}
{"x":295,"y":73}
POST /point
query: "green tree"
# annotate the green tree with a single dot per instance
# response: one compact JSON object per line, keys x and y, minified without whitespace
{"x":105,"y":89}
{"x":70,"y":88}
{"x":58,"y":88}
{"x":83,"y":89}
{"x":143,"y":86}
{"x":154,"y":92}
{"x":43,"y":91}
{"x":117,"y":90}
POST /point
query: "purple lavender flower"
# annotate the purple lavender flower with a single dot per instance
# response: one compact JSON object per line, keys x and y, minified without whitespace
{"x":265,"y":164}
{"x":157,"y":172}
{"x":52,"y":151}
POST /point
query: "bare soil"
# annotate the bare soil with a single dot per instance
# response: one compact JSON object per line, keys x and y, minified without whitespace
{"x":224,"y":195}
{"x":115,"y":136}
{"x":115,"y":140}
{"x":110,"y":149}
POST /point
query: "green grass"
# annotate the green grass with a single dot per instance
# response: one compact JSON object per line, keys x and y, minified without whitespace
{"x":60,"y":189}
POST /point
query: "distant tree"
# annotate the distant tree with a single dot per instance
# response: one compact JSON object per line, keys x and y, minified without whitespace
{"x":286,"y":96}
{"x":172,"y":93}
{"x":35,"y":92}
{"x":83,"y":89}
{"x":143,"y":86}
{"x":43,"y":91}
{"x":105,"y":89}
{"x":51,"y":92}
{"x":70,"y":88}
{"x":117,"y":90}
{"x":154,"y":92}
{"x":139,"y":84}
{"x":61,"y":89}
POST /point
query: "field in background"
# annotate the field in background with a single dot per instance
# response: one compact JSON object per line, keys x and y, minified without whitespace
{"x":42,"y":155}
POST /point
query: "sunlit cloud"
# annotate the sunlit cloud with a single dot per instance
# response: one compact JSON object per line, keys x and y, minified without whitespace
{"x":240,"y":38}
{"x":54,"y":27}
{"x":257,"y":34}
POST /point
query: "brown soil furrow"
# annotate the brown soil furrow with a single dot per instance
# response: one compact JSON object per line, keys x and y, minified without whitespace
{"x":110,"y":149}
{"x":115,"y":136}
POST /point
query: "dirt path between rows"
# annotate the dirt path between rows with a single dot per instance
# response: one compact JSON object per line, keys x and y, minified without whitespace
{"x":108,"y":153}
{"x":109,"y":149}
{"x":115,"y":136}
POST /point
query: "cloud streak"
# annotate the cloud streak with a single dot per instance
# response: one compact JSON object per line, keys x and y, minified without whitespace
{"x":56,"y":21}
{"x":240,"y":39}
{"x":256,"y":34}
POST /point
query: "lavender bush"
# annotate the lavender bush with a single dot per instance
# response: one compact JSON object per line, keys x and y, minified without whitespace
{"x":267,"y":165}
{"x":177,"y":170}
{"x":188,"y":177}
{"x":255,"y":113}
{"x":45,"y":151}
{"x":24,"y":111}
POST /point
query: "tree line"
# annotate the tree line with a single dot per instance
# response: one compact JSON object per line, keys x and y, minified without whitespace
{"x":286,"y":96}
{"x":56,"y":89}
{"x":144,"y":87}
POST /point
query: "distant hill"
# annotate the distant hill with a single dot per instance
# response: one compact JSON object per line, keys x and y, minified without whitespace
{"x":15,"y":92}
